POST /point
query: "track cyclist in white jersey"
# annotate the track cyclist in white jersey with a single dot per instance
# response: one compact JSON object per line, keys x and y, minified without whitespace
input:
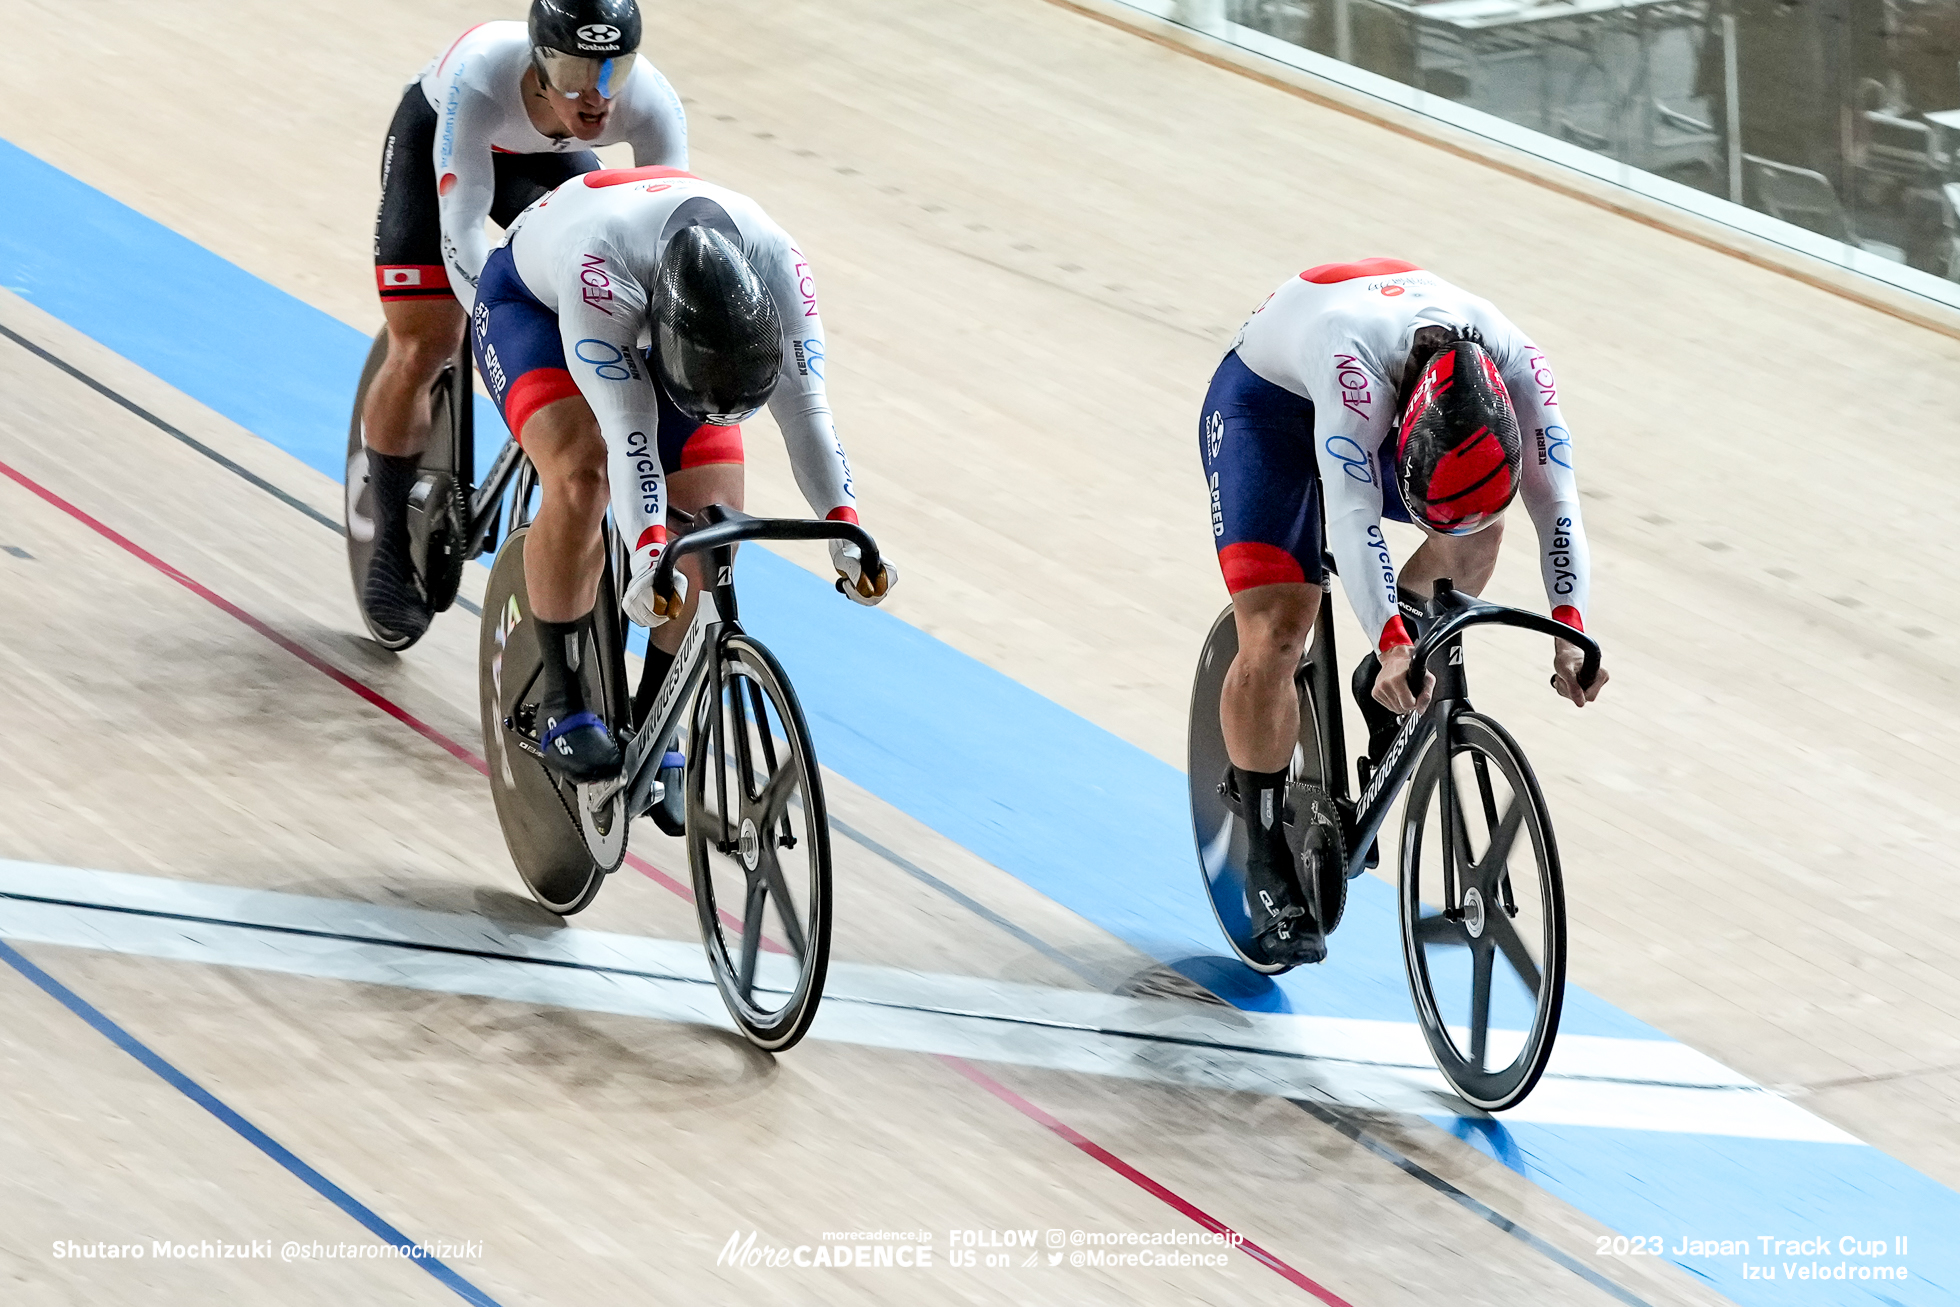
{"x":627,"y":325}
{"x":1360,"y":391}
{"x":504,"y":114}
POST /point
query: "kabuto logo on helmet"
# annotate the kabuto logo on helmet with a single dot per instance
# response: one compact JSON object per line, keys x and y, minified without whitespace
{"x":583,"y":29}
{"x":1459,"y":451}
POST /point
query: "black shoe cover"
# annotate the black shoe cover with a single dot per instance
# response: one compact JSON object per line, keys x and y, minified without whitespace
{"x":579,"y":748}
{"x":391,"y":597}
{"x":1284,"y":927}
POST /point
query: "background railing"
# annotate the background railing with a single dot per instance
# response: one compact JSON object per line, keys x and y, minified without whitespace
{"x":1839,"y":117}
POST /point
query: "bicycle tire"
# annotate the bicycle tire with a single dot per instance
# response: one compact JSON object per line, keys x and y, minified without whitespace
{"x":736,"y":866}
{"x":1493,"y":905}
{"x":561,"y":846}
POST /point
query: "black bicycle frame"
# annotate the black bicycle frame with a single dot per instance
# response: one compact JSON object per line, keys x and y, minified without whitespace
{"x":1451,"y":613}
{"x":485,"y":499}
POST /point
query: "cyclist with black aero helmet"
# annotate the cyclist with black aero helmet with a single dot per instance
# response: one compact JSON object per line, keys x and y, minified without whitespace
{"x":727,"y":308}
{"x":504,"y":114}
{"x":1356,"y":392}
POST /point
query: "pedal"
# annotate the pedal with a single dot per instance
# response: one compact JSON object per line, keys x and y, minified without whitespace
{"x":1228,"y":791}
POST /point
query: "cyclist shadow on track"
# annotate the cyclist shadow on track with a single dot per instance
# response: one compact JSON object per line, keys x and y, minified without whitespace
{"x":595,"y":1060}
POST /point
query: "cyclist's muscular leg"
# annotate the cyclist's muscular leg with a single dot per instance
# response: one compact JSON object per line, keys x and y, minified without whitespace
{"x":423,"y":334}
{"x":1261,"y":721}
{"x":395,"y":427}
{"x":1258,"y":711}
{"x":563,"y":557}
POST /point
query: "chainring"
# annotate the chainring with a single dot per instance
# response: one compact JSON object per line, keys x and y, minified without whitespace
{"x":1323,"y":851}
{"x":442,"y":561}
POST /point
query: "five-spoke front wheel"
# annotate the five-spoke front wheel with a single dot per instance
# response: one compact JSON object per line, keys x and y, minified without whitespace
{"x":1483,"y":914}
{"x":758,"y":845}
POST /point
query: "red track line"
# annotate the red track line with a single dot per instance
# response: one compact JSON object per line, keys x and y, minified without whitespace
{"x":316,"y":662}
{"x":400,"y":714}
{"x":1142,"y":1181}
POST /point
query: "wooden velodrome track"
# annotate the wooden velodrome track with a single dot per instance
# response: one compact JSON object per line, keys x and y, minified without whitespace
{"x":1035,"y":233}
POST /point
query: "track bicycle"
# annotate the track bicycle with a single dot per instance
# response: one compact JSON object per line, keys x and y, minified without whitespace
{"x":745,"y":793}
{"x":450,"y":519}
{"x":1482,"y":913}
{"x":749,"y":802}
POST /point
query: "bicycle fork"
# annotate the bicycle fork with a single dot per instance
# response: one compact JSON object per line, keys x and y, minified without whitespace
{"x":1452,"y":696}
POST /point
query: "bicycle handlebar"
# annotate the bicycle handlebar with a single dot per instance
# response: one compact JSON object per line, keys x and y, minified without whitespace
{"x":727,"y":526}
{"x":1473,"y":612}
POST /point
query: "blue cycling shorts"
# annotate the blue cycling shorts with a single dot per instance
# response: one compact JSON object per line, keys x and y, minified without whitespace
{"x":1256,"y":441}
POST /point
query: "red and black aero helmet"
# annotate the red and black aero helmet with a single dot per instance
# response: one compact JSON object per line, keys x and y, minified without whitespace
{"x":1458,"y":455}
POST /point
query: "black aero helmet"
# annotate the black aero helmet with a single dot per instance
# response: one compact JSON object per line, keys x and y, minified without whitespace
{"x":1458,"y":454}
{"x":717,"y":340}
{"x":584,"y":45}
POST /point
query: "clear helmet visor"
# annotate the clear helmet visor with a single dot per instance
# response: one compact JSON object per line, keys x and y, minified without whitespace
{"x":572,"y":75}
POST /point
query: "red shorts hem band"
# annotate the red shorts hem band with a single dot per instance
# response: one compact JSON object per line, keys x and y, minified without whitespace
{"x":712,"y":444}
{"x":1249,"y":564}
{"x":531,"y":392}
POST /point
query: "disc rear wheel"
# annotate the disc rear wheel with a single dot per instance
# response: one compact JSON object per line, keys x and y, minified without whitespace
{"x":562,"y":841}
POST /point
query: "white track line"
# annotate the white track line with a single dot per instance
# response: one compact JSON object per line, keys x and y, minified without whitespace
{"x":1380,"y":1065}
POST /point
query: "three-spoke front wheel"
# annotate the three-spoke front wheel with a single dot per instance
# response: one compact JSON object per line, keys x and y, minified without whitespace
{"x":758,"y":845}
{"x":1483,"y":914}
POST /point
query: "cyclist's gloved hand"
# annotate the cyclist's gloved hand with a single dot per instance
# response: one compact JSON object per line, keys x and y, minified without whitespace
{"x":1567,"y":659}
{"x":646,"y":607}
{"x":1392,"y":686}
{"x":851,"y":581}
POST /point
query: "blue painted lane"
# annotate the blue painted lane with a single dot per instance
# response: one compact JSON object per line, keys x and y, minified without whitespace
{"x":1761,"y":1220}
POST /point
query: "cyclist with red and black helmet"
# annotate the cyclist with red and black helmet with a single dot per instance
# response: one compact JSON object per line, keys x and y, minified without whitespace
{"x":504,"y":114}
{"x":1358,"y":392}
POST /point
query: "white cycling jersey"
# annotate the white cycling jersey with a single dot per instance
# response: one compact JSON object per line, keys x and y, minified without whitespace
{"x":1340,"y":336}
{"x":588,"y":252}
{"x":476,"y":89}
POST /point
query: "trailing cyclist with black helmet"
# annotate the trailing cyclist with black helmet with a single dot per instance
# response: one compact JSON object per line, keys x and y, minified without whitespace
{"x":507,"y":112}
{"x":729,"y":306}
{"x":1359,"y":392}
